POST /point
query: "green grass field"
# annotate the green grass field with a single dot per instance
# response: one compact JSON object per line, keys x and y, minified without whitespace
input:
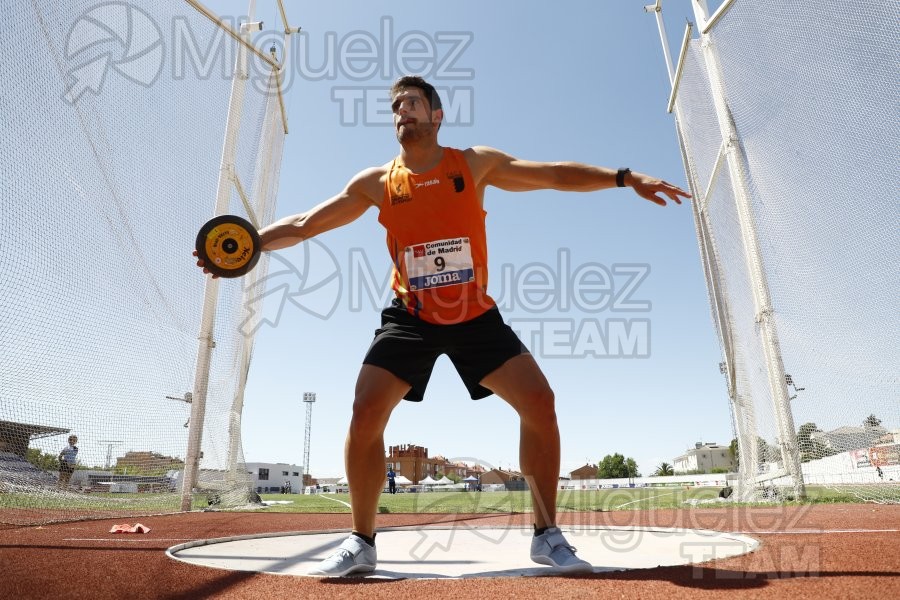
{"x":517,"y":502}
{"x":98,"y":501}
{"x":620,"y":499}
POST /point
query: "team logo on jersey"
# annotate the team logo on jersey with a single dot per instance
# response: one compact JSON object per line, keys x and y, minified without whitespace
{"x":459,"y":182}
{"x":399,"y":194}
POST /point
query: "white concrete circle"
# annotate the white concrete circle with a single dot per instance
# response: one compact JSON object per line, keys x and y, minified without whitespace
{"x":466,"y":551}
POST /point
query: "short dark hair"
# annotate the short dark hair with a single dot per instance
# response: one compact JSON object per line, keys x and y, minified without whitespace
{"x":414,"y":81}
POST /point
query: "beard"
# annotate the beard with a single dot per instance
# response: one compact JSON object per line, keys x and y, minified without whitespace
{"x":411,"y":133}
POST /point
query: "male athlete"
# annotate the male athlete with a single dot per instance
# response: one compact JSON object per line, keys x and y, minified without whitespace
{"x":430,"y":200}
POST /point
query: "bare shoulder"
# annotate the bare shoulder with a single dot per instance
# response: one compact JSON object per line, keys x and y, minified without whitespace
{"x":369,"y":183}
{"x":482,"y":154}
{"x":482,"y":159}
{"x":371,"y":175}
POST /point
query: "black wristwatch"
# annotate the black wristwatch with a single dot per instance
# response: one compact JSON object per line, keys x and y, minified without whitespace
{"x":620,"y":176}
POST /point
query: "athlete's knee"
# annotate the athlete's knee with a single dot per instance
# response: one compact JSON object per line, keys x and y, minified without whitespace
{"x":370,"y":413}
{"x":538,"y":404}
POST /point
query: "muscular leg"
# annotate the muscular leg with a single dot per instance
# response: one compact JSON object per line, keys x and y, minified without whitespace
{"x":520,"y":382}
{"x":378,"y":392}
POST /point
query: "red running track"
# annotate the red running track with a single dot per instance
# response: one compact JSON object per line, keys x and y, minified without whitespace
{"x":817,"y":551}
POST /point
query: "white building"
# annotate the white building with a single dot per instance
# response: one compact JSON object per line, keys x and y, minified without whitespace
{"x":269,"y":478}
{"x":703,"y":458}
{"x":891,"y":437}
{"x":847,"y":438}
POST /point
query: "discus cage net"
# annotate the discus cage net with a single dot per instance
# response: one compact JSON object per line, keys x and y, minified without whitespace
{"x":787,"y":119}
{"x":125,"y":127}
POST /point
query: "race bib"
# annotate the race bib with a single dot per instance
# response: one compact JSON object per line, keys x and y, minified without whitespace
{"x":439,"y":263}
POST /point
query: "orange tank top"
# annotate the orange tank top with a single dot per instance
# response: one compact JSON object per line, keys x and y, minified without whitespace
{"x":437,"y":240}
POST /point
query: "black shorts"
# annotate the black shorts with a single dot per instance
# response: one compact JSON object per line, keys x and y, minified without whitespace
{"x":408,"y":347}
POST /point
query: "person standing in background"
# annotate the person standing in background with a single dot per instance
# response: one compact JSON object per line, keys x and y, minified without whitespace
{"x":68,"y":457}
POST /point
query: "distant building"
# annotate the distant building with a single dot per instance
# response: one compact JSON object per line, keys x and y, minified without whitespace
{"x":847,"y":438}
{"x":413,"y":462}
{"x":452,"y":468}
{"x":270,"y":478}
{"x":512,"y":480}
{"x":475,"y":471}
{"x":147,"y":462}
{"x":329,"y":484}
{"x":891,"y":437}
{"x":703,"y":458}
{"x":588,"y":471}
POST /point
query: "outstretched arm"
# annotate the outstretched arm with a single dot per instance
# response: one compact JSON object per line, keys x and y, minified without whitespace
{"x":339,"y":210}
{"x":343,"y":208}
{"x":496,"y":168}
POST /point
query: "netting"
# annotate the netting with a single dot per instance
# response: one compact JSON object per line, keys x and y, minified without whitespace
{"x":809,"y":343}
{"x":113,"y":119}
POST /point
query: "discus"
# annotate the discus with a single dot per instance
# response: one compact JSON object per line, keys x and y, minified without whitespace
{"x":228,"y":245}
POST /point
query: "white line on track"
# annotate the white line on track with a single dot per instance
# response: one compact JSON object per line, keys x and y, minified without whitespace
{"x":643,"y":499}
{"x":819,"y":531}
{"x":126,"y":540}
{"x":335,"y":500}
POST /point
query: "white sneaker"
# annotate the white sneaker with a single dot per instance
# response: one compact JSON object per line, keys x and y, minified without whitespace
{"x":352,"y":556}
{"x":551,"y":548}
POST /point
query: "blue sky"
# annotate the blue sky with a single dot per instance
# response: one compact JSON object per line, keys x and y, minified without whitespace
{"x":586,"y":82}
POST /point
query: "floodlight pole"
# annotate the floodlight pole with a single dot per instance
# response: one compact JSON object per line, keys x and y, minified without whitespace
{"x":761,"y":296}
{"x":211,"y":288}
{"x":309,"y":398}
{"x":109,"y":446}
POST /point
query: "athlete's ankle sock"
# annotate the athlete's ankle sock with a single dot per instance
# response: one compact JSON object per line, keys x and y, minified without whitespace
{"x":538,"y":531}
{"x":369,"y":540}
